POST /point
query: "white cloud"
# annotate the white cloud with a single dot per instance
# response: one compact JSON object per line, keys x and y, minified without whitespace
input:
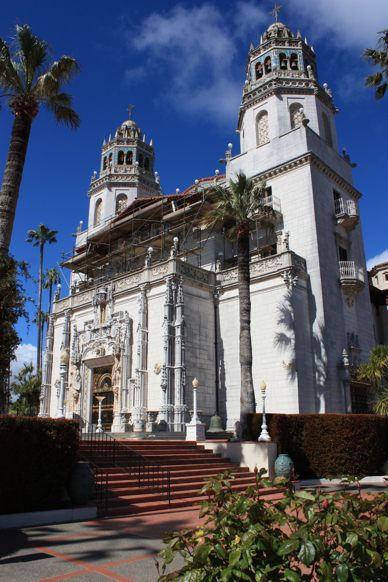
{"x":349,"y":23}
{"x":381,"y":258}
{"x":25,"y":354}
{"x":195,"y":49}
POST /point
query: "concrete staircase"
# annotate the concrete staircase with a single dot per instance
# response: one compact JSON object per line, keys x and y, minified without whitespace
{"x":189,"y":466}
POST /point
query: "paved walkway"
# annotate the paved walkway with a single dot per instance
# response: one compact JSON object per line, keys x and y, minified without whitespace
{"x":121,"y":549}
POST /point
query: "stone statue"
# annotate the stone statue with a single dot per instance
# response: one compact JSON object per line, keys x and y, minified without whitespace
{"x":237,"y":433}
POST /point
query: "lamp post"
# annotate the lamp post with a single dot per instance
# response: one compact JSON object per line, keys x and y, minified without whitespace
{"x":62,"y":373}
{"x":195,"y":430}
{"x":99,"y":425}
{"x":264,"y":436}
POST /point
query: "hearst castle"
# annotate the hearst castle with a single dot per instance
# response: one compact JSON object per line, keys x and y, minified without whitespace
{"x":153,"y":300}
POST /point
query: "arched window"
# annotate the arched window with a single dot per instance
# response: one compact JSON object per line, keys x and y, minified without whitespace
{"x":105,"y":163}
{"x":294,"y":62}
{"x":259,"y":71}
{"x":147,"y":164}
{"x":326,"y":127}
{"x":121,"y":202}
{"x":120,"y":158}
{"x":294,"y":114}
{"x":283,"y":62}
{"x":110,"y":158}
{"x":97,"y":212}
{"x":262,"y":128}
{"x":268,"y":65}
{"x":141,"y":160}
{"x":128,"y":159}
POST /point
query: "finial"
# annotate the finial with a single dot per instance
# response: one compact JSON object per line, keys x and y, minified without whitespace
{"x":252,"y":47}
{"x":275,"y":11}
{"x":130,"y":110}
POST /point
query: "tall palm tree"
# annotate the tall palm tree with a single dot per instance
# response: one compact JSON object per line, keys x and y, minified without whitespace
{"x":40,"y":237}
{"x":378,"y":58}
{"x":375,"y":371}
{"x":51,"y":278}
{"x":238,"y":208}
{"x":43,"y":320}
{"x":28,"y":80}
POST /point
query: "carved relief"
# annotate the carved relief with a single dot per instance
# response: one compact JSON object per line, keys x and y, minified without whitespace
{"x":290,"y":278}
{"x":158,"y":271}
{"x":193,"y":273}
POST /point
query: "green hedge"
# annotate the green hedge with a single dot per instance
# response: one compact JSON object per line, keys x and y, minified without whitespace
{"x":37,"y":454}
{"x":327,"y":444}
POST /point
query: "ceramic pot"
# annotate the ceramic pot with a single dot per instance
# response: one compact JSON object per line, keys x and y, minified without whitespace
{"x":283,"y":466}
{"x":80,"y":485}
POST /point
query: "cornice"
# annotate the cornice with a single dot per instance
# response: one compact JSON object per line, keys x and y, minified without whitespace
{"x":313,"y":160}
{"x":280,"y":43}
{"x":129,"y":142}
{"x":122,"y":180}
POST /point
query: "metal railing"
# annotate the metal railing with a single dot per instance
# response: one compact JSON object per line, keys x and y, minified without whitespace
{"x":349,"y":270}
{"x":348,"y":207}
{"x":114,"y":453}
{"x":100,"y":485}
{"x":274,"y":202}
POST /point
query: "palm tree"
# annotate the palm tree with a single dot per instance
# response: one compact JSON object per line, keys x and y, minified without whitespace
{"x":27,"y":80}
{"x":378,"y":58}
{"x":42,"y":236}
{"x":51,"y":278}
{"x":375,"y":371}
{"x":43,"y":320}
{"x":238,"y":208}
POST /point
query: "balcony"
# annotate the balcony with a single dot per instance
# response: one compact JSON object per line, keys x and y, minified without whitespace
{"x":352,"y":280}
{"x":346,"y":213}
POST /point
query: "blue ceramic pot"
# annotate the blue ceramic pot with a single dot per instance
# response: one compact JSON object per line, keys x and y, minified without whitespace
{"x":80,"y":485}
{"x":283,"y":466}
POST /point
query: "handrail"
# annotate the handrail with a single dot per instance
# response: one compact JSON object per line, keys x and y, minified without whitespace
{"x":100,"y":476}
{"x":148,"y":473}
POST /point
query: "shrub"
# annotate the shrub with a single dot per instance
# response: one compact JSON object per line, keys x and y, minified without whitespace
{"x":37,"y":454}
{"x":303,"y":537}
{"x":326,"y":444}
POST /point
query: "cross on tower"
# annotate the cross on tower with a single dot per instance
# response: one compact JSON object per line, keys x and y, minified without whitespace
{"x":130,"y":110}
{"x":275,"y":11}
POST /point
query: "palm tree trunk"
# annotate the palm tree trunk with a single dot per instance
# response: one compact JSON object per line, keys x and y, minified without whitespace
{"x":51,"y":290}
{"x":40,"y":305}
{"x":12,"y":178}
{"x":247,"y":394}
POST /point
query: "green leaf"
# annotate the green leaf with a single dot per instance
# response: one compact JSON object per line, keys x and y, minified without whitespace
{"x":204,"y":509}
{"x":234,"y":557}
{"x":226,"y":575}
{"x":291,"y":576}
{"x":342,"y":572}
{"x":355,"y":575}
{"x":192,"y":576}
{"x":306,"y":553}
{"x":382,"y":523}
{"x":217,"y":487}
{"x":288,"y":547}
{"x":305,"y":495}
{"x":326,"y":572}
{"x":221,"y":551}
{"x":376,"y":560}
{"x":320,"y":546}
{"x":352,"y":539}
{"x":240,"y":574}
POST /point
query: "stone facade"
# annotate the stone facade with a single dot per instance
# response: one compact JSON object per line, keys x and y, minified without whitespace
{"x":154,"y":295}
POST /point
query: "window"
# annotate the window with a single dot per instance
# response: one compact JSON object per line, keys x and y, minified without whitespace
{"x":267,"y":194}
{"x":336,"y":195}
{"x":283,"y":62}
{"x":110,"y":158}
{"x":105,"y":163}
{"x":147,"y":164}
{"x":262,"y":128}
{"x":268,"y":65}
{"x":259,"y":71}
{"x":386,"y":276}
{"x":327,"y":130}
{"x":141,"y":160}
{"x":121,"y":202}
{"x":294,"y":62}
{"x":120,"y":158}
{"x":128,"y":159}
{"x":343,"y":254}
{"x":97,"y":212}
{"x":294,"y":114}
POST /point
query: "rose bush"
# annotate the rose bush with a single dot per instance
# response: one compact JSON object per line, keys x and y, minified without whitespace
{"x":301,"y":536}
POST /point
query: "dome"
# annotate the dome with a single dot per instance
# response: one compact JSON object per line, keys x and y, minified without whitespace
{"x":129,"y":123}
{"x":277,"y":24}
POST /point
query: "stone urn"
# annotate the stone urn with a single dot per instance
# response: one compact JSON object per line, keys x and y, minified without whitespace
{"x":80,"y":484}
{"x":283,"y":466}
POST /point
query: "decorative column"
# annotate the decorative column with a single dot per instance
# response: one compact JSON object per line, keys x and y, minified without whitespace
{"x":167,"y":408}
{"x":195,"y":430}
{"x":344,"y":375}
{"x":62,"y":375}
{"x":141,"y":373}
{"x":179,"y":369}
{"x":126,"y":371}
{"x":45,"y":393}
{"x":264,"y":436}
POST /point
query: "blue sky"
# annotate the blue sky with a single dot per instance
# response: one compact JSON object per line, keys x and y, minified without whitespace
{"x":183,"y":67}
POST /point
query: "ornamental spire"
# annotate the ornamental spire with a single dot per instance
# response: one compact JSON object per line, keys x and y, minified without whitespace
{"x":130,"y":110}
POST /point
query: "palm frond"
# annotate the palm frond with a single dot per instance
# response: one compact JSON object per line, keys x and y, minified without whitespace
{"x":32,"y":53}
{"x":60,"y":107}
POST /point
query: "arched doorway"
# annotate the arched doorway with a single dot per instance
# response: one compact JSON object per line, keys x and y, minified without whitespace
{"x":102,"y":386}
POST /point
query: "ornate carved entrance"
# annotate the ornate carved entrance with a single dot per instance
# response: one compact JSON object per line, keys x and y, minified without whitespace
{"x":102,"y":386}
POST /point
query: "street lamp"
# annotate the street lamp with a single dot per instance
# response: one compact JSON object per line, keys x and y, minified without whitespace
{"x":195,"y":430}
{"x":264,"y":437}
{"x":99,"y":425}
